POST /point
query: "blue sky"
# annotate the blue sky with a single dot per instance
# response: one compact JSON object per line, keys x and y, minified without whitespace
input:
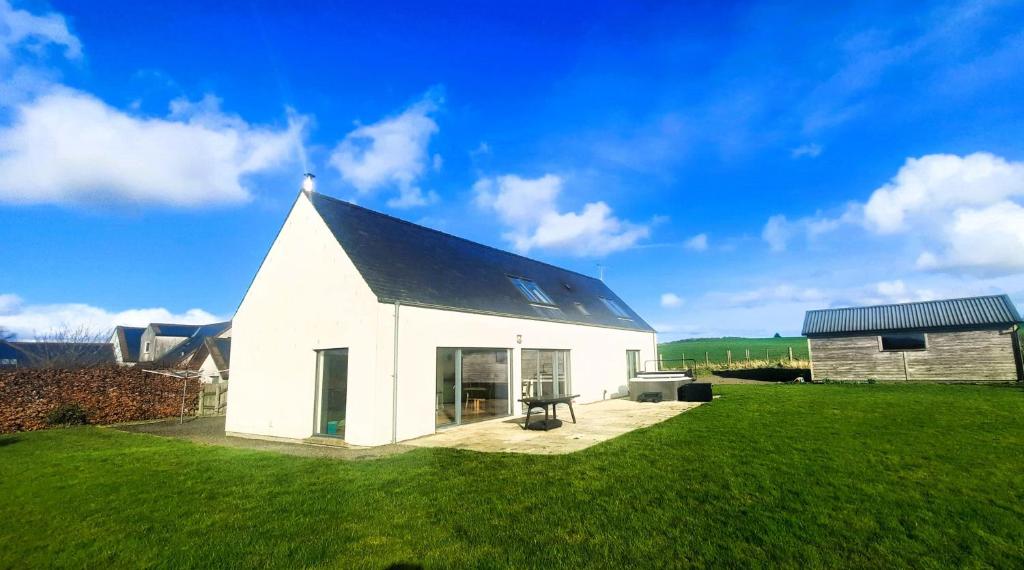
{"x":729,"y":166}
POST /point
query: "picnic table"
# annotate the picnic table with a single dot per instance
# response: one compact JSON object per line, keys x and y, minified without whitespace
{"x":548,"y":403}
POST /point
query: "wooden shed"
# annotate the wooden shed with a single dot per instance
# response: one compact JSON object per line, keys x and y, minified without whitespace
{"x":973,"y":339}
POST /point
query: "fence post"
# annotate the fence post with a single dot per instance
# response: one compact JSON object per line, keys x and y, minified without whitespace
{"x":747,"y":355}
{"x":728,"y":356}
{"x":791,"y":354}
{"x":707,"y":361}
{"x":766,"y":354}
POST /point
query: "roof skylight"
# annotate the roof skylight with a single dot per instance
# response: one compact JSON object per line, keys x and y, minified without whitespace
{"x":531,"y":291}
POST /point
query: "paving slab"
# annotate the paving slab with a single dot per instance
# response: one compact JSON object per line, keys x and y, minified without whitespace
{"x":596,"y":422}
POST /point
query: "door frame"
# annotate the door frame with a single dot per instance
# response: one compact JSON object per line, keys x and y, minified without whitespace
{"x":458,"y":383}
{"x":318,"y":390}
{"x":554,"y":370}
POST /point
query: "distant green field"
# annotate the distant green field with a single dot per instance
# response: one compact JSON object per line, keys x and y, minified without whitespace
{"x":717,"y":348}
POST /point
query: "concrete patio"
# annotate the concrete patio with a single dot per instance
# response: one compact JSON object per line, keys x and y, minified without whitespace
{"x":596,"y":422}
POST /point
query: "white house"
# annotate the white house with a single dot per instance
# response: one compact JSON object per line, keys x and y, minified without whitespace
{"x":362,"y":326}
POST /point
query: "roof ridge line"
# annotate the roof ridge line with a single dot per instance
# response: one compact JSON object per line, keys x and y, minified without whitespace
{"x":910,"y":303}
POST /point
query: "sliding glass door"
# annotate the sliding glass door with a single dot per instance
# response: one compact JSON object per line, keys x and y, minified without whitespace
{"x":472,"y":385}
{"x":545,"y":373}
{"x":332,"y":365}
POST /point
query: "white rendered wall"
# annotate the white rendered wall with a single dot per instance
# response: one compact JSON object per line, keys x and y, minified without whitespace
{"x":306,"y":296}
{"x":597,"y":357}
{"x":209,"y":371}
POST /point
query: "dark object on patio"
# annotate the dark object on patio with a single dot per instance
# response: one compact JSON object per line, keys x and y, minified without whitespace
{"x":653,"y":397}
{"x":543,"y":425}
{"x":696,"y":392}
{"x":546,"y":403}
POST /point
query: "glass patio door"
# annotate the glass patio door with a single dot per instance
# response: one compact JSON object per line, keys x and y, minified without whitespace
{"x":332,"y":365}
{"x":472,"y":385}
{"x":545,"y":373}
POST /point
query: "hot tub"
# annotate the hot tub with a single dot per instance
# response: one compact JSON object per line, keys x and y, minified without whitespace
{"x":665,"y":382}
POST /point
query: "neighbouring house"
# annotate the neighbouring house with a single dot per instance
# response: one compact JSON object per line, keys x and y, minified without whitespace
{"x":212,"y":359}
{"x":967,"y":340}
{"x":174,"y":345}
{"x":29,"y":354}
{"x":373,"y":329}
{"x":126,"y":342}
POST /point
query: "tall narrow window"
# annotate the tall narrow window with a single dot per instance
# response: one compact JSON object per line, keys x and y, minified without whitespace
{"x":616,"y":309}
{"x":531,"y":291}
{"x":333,"y":391}
{"x":632,"y":363}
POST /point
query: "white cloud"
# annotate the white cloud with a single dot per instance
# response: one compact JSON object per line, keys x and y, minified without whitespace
{"x":777,"y":232}
{"x":967,"y":208}
{"x":986,"y":241}
{"x":935,"y":184}
{"x":68,"y":147}
{"x":783,"y":293}
{"x":392,"y":152}
{"x":529,"y":208}
{"x":671,"y":300}
{"x":806,"y":151}
{"x":9,"y":303}
{"x":412,"y":196}
{"x":20,"y":28}
{"x":698,"y":242}
{"x":28,"y":321}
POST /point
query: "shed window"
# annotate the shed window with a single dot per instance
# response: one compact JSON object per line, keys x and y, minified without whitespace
{"x":616,"y":309}
{"x":903,"y":341}
{"x":531,"y":291}
{"x":146,"y":350}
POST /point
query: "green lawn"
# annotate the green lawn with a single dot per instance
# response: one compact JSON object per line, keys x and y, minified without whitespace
{"x":778,"y":348}
{"x":797,"y":475}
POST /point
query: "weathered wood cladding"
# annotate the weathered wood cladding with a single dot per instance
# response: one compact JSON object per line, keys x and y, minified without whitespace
{"x":973,"y":356}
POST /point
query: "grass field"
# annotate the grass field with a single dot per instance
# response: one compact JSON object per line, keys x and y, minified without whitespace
{"x":716,"y":348}
{"x":796,"y":475}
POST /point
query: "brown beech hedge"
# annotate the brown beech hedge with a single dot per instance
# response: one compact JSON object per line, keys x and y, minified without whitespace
{"x":107,"y":395}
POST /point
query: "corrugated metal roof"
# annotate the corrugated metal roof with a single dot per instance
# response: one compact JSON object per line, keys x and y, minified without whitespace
{"x":992,"y":310}
{"x":402,"y":261}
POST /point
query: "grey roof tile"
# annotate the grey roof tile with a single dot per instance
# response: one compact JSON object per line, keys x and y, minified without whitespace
{"x":412,"y":264}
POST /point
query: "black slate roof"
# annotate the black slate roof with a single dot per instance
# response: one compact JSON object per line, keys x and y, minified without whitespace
{"x":173,"y":329}
{"x":129,"y":339}
{"x":8,"y":352}
{"x":988,"y":311}
{"x":190,"y":345}
{"x":415,"y":265}
{"x":64,"y":354}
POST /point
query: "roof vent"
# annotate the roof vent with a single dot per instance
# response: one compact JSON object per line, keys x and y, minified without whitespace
{"x":307,"y":182}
